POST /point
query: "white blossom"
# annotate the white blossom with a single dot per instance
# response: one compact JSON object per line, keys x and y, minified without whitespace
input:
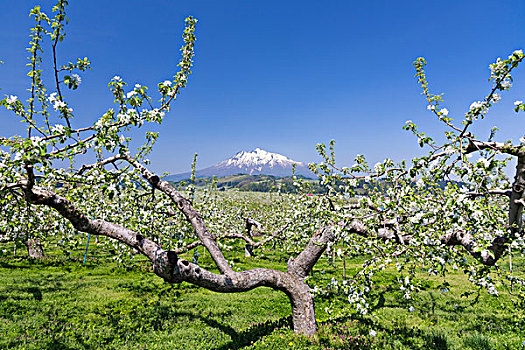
{"x":416,"y":218}
{"x":77,"y":78}
{"x":373,"y":333}
{"x":117,"y":78}
{"x":477,"y":104}
{"x":166,"y":83}
{"x":506,"y":84}
{"x":11,"y":99}
{"x":58,"y":104}
{"x":131,"y":94}
{"x":492,"y":290}
{"x":99,"y":123}
{"x":517,"y":103}
{"x":53,"y":97}
{"x":444,"y":112}
{"x":484,"y":162}
{"x":450,"y":150}
{"x":36,"y":140}
{"x":156,"y":111}
{"x":124,"y":118}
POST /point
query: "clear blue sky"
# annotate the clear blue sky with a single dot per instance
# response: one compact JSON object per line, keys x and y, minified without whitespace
{"x":284,"y":75}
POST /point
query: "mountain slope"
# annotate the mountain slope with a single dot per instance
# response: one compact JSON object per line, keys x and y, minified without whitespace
{"x":255,"y":162}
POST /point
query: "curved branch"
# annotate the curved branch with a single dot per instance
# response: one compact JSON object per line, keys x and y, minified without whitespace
{"x":189,"y":246}
{"x":269,"y":238}
{"x":167,"y":265}
{"x":488,"y":256}
{"x":193,"y":217}
{"x":305,"y":261}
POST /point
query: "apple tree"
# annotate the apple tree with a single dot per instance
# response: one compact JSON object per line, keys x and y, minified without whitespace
{"x":48,"y":188}
{"x":60,"y":178}
{"x":452,"y":209}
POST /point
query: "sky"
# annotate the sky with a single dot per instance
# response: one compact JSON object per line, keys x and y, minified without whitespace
{"x":283,"y":75}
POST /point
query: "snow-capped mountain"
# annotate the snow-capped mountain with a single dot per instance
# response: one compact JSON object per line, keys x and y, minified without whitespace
{"x":255,"y":162}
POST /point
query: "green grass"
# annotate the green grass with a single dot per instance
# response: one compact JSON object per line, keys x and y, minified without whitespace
{"x":60,"y":304}
{"x":46,"y":306}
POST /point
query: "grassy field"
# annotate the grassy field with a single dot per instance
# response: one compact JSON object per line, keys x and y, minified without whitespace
{"x":61,"y":304}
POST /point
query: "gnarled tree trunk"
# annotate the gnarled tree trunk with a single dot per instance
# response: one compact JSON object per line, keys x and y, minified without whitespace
{"x":168,"y":266}
{"x":303,"y":310}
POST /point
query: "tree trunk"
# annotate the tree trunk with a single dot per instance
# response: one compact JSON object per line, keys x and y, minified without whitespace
{"x":34,"y":248}
{"x":303,"y":310}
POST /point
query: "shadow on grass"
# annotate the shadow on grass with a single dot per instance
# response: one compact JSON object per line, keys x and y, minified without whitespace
{"x":18,"y":293}
{"x":7,"y":265}
{"x":254,"y":333}
{"x":158,"y":317}
{"x":244,"y":338}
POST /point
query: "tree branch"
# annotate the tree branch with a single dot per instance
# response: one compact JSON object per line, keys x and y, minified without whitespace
{"x":305,"y":261}
{"x":488,"y":256}
{"x":475,"y":145}
{"x":193,"y":217}
{"x":112,"y":159}
{"x":490,"y":192}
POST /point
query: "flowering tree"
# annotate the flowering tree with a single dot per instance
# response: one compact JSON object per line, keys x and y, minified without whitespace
{"x":48,"y":188}
{"x":441,"y":211}
{"x":114,"y":196}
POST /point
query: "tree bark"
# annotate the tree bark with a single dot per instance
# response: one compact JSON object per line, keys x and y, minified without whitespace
{"x":34,"y":248}
{"x":303,"y":310}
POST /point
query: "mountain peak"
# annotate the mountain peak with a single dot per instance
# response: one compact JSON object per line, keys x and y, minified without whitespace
{"x":256,"y":159}
{"x":256,"y":162}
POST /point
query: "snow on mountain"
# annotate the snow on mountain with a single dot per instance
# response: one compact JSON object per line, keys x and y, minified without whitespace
{"x":255,"y":162}
{"x":257,"y":159}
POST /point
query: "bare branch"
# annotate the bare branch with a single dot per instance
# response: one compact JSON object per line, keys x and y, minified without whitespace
{"x":488,"y":256}
{"x":100,"y":163}
{"x":271,"y":237}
